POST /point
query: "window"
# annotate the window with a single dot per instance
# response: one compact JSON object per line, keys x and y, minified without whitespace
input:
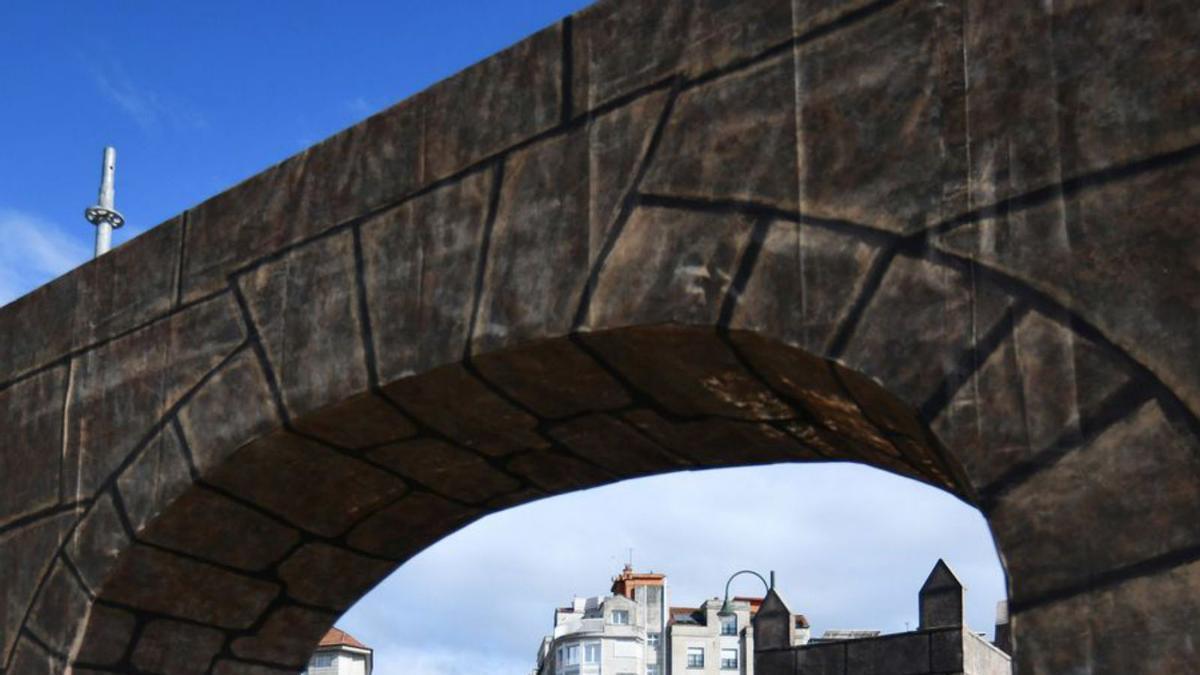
{"x":570,"y":655}
{"x":729,"y":624}
{"x":652,"y":669}
{"x":619,"y":617}
{"x":729,"y":659}
{"x":695,"y":656}
{"x":591,"y":652}
{"x":653,"y":640}
{"x":321,"y":661}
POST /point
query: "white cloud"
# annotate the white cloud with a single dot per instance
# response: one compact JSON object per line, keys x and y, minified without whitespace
{"x":359,"y":107}
{"x":851,"y":546}
{"x":36,"y":251}
{"x":147,"y":108}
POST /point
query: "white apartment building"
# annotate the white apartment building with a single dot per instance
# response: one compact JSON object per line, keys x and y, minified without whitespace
{"x":339,"y":653}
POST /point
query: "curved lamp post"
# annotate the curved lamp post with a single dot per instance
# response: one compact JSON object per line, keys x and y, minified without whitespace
{"x":726,"y":607}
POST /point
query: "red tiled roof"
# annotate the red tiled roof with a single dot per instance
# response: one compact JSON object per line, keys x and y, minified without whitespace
{"x":336,"y":637}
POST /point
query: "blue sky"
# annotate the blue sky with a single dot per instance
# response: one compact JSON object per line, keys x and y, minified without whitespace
{"x":198,"y":96}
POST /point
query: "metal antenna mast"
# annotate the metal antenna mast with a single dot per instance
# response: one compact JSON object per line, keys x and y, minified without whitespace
{"x":103,"y":215}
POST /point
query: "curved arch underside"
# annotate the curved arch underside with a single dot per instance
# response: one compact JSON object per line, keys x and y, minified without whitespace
{"x":955,"y":240}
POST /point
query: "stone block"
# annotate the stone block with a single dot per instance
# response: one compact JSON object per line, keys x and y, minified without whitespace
{"x":776,"y":662}
{"x":305,"y":306}
{"x":553,"y":378}
{"x":420,"y":263}
{"x":287,"y":637}
{"x":720,"y":442}
{"x":900,"y":654}
{"x":446,"y":469}
{"x":235,"y":667}
{"x":358,"y":422}
{"x":507,"y":98}
{"x":26,"y":554}
{"x":160,"y":582}
{"x":946,"y":651}
{"x":338,"y":490}
{"x":108,"y":637}
{"x":321,"y":575}
{"x":233,"y":408}
{"x":557,"y":472}
{"x":616,"y":446}
{"x":59,"y":611}
{"x":1089,"y":513}
{"x":167,"y":647}
{"x":409,"y":526}
{"x":98,"y":541}
{"x":33,"y":413}
{"x":159,"y":474}
{"x":31,"y":659}
{"x":733,"y":138}
{"x":206,"y":525}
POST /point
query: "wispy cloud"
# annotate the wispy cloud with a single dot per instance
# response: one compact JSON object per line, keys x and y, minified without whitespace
{"x":359,"y":107}
{"x":34,"y":251}
{"x":149,"y":109}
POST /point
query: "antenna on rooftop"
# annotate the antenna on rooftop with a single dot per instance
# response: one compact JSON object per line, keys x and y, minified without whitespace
{"x":104,"y":215}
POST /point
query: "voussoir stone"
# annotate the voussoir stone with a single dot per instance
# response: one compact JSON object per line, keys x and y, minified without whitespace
{"x":108,"y":636}
{"x":287,"y":637}
{"x":167,"y":647}
{"x":323,"y":575}
{"x":444,"y":468}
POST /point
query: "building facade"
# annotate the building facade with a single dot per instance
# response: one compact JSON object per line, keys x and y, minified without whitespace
{"x":338,"y":653}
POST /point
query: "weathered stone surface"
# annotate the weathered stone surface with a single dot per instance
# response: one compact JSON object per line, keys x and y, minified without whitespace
{"x":33,"y":414}
{"x":158,"y":475}
{"x":59,"y":610}
{"x":157,"y":581}
{"x":168,"y":647}
{"x":25,"y":557}
{"x":288,"y":636}
{"x":514,"y":95}
{"x":610,"y":42}
{"x":420,"y":262}
{"x":327,"y":576}
{"x":828,"y":660}
{"x":714,"y":148}
{"x":98,"y":541}
{"x":460,"y":406}
{"x":305,"y":306}
{"x":1151,"y":612}
{"x":689,"y":372}
{"x":1006,"y":413}
{"x":446,"y":469}
{"x":556,"y":472}
{"x":669,"y":265}
{"x":232,"y":667}
{"x":408,"y":526}
{"x":718,"y":442}
{"x":31,"y":659}
{"x":877,"y":144}
{"x":207,"y":525}
{"x":1123,"y":255}
{"x":554,"y":378}
{"x":902,"y":654}
{"x":1086,"y":514}
{"x":615,"y":445}
{"x":358,"y":422}
{"x":778,"y":662}
{"x":802,"y":284}
{"x":946,"y":651}
{"x":121,"y":389}
{"x":109,"y":631}
{"x":268,"y":472}
{"x":233,"y":408}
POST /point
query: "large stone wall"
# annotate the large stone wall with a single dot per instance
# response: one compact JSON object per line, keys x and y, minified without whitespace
{"x":953,"y":239}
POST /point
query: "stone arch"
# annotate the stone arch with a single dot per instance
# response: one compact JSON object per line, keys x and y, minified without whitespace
{"x":994,"y":229}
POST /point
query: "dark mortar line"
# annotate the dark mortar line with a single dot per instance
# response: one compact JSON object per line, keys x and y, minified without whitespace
{"x":70,"y":566}
{"x":364,"y":310}
{"x":778,"y":425}
{"x":144,"y":615}
{"x":745,"y":268}
{"x":186,"y":448}
{"x":628,"y":204}
{"x":1116,"y":408}
{"x":970,"y":360}
{"x":267,"y":574}
{"x":485,"y":248}
{"x":43,"y":514}
{"x":567,"y":64}
{"x":181,"y":259}
{"x":1148,"y":567}
{"x":871,"y":284}
{"x":65,"y":357}
{"x":1069,"y":187}
{"x":28,"y":634}
{"x":260,"y":353}
{"x":122,"y":512}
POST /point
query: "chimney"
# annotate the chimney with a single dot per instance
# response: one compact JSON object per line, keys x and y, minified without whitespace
{"x":941,"y":599}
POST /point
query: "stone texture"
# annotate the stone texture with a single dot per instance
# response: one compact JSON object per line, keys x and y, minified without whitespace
{"x":108,"y":636}
{"x":206,"y":525}
{"x":448,"y":470}
{"x":610,"y":54}
{"x":338,"y":490}
{"x":412,"y":524}
{"x":615,"y":445}
{"x":232,"y":409}
{"x":733,"y":138}
{"x":1141,"y":475}
{"x":232,"y":667}
{"x":326,"y":576}
{"x":556,"y":472}
{"x":903,"y":654}
{"x":357,"y":422}
{"x":98,"y":541}
{"x":121,"y":389}
{"x":420,"y":262}
{"x":305,"y":307}
{"x":877,"y":141}
{"x":669,"y":265}
{"x":31,"y":659}
{"x":553,"y":378}
{"x":167,"y":647}
{"x":59,"y":611}
{"x":463,"y":408}
{"x":717,"y":442}
{"x":288,"y":637}
{"x":158,"y":475}
{"x":830,"y":660}
{"x":160,"y":582}
{"x":946,"y":651}
{"x":33,"y":414}
{"x":25,"y":558}
{"x":514,"y":94}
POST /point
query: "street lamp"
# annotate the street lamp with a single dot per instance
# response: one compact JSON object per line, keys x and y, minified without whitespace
{"x":726,"y":607}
